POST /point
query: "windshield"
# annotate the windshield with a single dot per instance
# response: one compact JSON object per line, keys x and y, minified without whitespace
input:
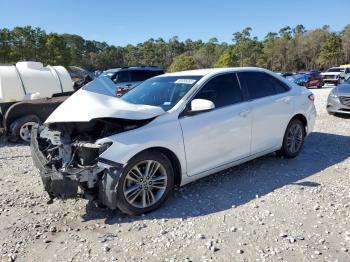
{"x":164,"y":91}
{"x":108,"y":73}
{"x":335,"y":70}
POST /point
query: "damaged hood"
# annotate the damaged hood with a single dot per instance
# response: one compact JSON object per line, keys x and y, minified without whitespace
{"x":97,"y":100}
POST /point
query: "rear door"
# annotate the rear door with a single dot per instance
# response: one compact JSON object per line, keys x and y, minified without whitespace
{"x":271,"y":109}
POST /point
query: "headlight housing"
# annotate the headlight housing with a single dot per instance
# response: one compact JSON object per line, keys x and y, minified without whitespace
{"x":333,"y":95}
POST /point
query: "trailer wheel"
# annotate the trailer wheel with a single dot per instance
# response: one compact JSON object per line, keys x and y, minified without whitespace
{"x":20,"y":129}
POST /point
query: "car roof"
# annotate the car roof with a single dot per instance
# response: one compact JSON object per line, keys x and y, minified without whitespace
{"x":148,"y":68}
{"x":213,"y":71}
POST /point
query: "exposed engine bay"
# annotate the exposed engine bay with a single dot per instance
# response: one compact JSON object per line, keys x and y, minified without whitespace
{"x":67,"y":155}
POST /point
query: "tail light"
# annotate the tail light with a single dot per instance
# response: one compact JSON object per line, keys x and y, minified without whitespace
{"x":312,"y":97}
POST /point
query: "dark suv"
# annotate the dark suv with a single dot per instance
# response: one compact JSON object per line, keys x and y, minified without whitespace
{"x":126,"y":78}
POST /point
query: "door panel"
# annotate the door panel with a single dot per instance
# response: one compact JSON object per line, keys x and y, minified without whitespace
{"x":217,"y":137}
{"x":271,"y":109}
{"x":221,"y":135}
{"x":270,"y":117}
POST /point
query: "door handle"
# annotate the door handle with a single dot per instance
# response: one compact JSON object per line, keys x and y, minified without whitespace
{"x":244,"y":112}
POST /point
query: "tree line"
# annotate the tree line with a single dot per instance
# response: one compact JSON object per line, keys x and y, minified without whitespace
{"x":289,"y":49}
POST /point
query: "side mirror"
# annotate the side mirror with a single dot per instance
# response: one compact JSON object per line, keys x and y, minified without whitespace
{"x":199,"y":105}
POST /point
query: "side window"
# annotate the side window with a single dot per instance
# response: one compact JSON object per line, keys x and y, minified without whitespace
{"x":122,"y":76}
{"x":139,"y":75}
{"x":278,"y":85}
{"x":222,"y":90}
{"x":261,"y":85}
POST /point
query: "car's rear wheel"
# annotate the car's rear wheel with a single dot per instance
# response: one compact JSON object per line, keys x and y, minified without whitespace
{"x":293,"y":139}
{"x":146,"y":182}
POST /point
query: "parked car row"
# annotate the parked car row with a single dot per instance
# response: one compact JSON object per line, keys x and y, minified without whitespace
{"x":330,"y":78}
{"x":307,"y":79}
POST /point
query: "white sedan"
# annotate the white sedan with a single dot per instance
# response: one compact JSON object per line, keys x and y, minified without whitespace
{"x":130,"y":152}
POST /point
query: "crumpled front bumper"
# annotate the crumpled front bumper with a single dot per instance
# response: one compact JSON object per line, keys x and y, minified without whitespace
{"x":63,"y":185}
{"x":55,"y":183}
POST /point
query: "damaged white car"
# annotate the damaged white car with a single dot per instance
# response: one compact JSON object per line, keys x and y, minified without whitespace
{"x":130,"y":152}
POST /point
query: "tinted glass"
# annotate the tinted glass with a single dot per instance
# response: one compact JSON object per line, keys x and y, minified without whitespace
{"x":260,"y":84}
{"x":164,"y":91}
{"x":222,"y":90}
{"x":142,"y":75}
{"x":122,"y":76}
{"x":335,"y":69}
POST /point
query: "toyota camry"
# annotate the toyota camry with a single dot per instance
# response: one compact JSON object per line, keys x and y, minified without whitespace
{"x":130,"y":152}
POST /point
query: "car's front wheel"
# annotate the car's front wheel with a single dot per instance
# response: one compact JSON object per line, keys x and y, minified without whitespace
{"x":146,"y":182}
{"x":293,"y":139}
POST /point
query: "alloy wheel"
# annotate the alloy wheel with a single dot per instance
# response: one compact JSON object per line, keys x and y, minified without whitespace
{"x":295,"y":138}
{"x":145,"y":184}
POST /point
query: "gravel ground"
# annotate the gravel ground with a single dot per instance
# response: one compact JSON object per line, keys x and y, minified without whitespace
{"x":269,"y":209}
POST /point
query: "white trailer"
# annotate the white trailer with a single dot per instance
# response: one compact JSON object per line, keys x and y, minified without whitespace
{"x":28,"y":94}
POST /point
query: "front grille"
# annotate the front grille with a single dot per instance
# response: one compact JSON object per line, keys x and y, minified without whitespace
{"x":329,"y":77}
{"x":345,"y":100}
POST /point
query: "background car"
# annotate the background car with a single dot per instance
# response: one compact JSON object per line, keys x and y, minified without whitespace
{"x":307,"y":79}
{"x":335,"y":75}
{"x":284,"y":74}
{"x":339,"y":99}
{"x":126,"y":78}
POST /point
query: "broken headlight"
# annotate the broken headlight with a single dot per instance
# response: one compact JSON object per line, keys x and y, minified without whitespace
{"x":86,"y":154}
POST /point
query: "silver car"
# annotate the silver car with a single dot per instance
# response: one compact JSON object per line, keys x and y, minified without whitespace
{"x":339,"y":99}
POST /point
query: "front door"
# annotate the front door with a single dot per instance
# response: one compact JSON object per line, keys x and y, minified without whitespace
{"x":219,"y":136}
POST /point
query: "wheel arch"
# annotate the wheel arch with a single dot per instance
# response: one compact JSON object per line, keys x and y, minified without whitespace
{"x":174,"y":160}
{"x":302,"y":118}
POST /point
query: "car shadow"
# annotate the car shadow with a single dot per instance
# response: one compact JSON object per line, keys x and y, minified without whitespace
{"x":344,"y":116}
{"x":239,"y":185}
{"x":5,"y":143}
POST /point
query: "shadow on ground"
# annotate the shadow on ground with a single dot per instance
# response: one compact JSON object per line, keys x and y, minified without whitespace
{"x":239,"y":185}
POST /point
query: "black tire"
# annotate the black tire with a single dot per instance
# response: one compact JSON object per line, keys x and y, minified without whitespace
{"x":320,"y":85}
{"x":15,"y":128}
{"x":122,"y":202}
{"x":286,"y":150}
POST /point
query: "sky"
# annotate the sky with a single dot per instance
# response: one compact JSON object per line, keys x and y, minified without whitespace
{"x":131,"y":22}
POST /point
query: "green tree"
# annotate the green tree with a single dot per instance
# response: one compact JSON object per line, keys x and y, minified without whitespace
{"x":331,"y":51}
{"x":346,"y":44}
{"x":182,"y":63}
{"x":5,"y":45}
{"x":57,"y":52}
{"x":229,"y":58}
